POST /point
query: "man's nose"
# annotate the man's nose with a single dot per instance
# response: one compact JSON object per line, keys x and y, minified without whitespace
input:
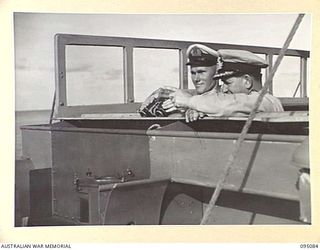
{"x":197,"y":77}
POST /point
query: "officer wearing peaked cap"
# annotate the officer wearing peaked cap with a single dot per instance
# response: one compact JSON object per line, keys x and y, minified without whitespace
{"x":239,"y":69}
{"x":232,"y":62}
{"x":201,"y":55}
{"x":240,"y":72}
{"x":238,"y":63}
{"x":202,"y":61}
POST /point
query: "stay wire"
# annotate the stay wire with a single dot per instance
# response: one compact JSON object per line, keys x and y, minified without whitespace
{"x":52,"y":107}
{"x":209,"y":211}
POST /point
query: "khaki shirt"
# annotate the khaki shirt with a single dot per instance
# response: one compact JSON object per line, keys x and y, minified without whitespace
{"x":241,"y":104}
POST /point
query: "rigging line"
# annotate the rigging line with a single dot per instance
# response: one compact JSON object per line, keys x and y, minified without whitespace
{"x":247,"y":125}
{"x":295,"y":92}
{"x":53,"y":106}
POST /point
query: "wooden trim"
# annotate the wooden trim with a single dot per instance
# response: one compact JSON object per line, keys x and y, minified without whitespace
{"x":128,"y":44}
{"x":70,"y":39}
{"x":183,"y":69}
{"x":77,"y":111}
{"x":128,"y":74}
{"x":60,"y":72}
{"x":291,"y":101}
{"x":303,"y":77}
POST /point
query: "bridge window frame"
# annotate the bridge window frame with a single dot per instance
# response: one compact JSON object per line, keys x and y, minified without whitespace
{"x":62,"y":110}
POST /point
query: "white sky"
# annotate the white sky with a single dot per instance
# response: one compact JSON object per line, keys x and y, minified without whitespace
{"x":34,"y":47}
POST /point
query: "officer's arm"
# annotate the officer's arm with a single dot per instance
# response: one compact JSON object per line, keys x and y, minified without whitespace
{"x":218,"y":104}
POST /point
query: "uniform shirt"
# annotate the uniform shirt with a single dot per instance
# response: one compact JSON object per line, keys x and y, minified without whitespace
{"x":240,"y":104}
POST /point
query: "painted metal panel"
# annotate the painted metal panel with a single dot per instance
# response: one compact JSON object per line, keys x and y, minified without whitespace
{"x":22,"y":188}
{"x":262,"y":166}
{"x":177,"y":152}
{"x":40,"y":194}
{"x":135,"y":204}
{"x":232,"y":216}
{"x":36,"y":145}
{"x":75,"y":153}
{"x":242,"y":208}
{"x":182,"y":205}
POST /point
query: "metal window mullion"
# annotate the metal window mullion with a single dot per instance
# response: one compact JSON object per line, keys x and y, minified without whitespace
{"x":269,"y":58}
{"x":128,"y":74}
{"x":183,"y":77}
{"x":60,"y":73}
{"x":303,"y":77}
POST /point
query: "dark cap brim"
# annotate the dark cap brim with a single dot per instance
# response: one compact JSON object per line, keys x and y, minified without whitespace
{"x":224,"y":74}
{"x":201,"y":64}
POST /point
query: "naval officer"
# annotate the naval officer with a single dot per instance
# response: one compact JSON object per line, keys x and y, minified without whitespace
{"x":202,"y":61}
{"x":240,"y":72}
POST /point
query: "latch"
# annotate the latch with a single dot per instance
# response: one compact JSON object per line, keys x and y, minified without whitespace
{"x":126,"y":175}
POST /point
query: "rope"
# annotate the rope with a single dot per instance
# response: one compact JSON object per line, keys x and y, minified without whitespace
{"x":296,"y":90}
{"x":247,"y":125}
{"x":154,"y":126}
{"x":52,"y":108}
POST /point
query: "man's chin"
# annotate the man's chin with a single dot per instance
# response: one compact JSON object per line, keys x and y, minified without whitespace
{"x":199,"y":92}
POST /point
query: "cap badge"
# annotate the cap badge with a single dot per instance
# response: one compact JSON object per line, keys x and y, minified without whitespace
{"x":195,"y":52}
{"x":219,"y":64}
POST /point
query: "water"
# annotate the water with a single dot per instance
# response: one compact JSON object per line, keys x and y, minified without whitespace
{"x":30,"y":117}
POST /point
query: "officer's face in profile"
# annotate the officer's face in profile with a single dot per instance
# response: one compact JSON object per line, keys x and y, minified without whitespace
{"x":202,"y":78}
{"x":235,"y":84}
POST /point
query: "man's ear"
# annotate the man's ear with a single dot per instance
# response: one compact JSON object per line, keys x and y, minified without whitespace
{"x":248,"y":81}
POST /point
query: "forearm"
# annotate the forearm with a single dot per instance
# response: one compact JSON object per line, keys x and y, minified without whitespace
{"x":222,"y":104}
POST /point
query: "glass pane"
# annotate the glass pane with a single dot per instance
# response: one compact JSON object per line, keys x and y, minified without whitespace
{"x":152,"y":69}
{"x":94,"y":75}
{"x":287,"y":77}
